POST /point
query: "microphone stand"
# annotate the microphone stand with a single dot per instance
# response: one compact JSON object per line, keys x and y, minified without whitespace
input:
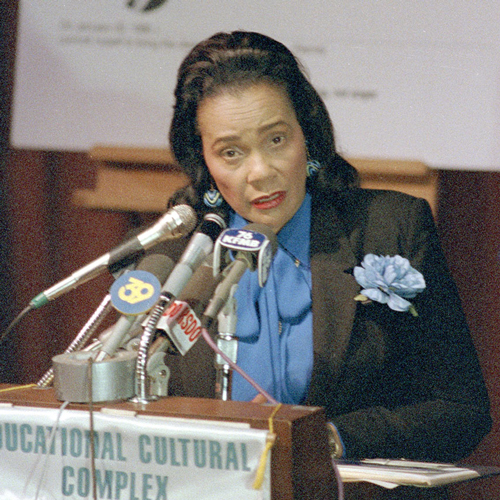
{"x":83,"y":336}
{"x":142,"y":381}
{"x":228,"y":344}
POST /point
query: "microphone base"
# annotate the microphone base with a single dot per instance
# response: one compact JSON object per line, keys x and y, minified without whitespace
{"x":143,"y":401}
{"x":112,"y":379}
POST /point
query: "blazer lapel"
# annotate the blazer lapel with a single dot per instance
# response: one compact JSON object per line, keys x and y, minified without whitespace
{"x":333,"y":285}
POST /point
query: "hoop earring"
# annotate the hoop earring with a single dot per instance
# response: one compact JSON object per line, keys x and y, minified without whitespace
{"x":212,"y":198}
{"x":313,"y":167}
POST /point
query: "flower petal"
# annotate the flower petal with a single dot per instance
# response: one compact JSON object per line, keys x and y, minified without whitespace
{"x":397,"y":303}
{"x":376,"y":294}
{"x":389,"y":280}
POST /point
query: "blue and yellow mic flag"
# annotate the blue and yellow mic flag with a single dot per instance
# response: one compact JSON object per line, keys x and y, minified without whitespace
{"x":135,"y":292}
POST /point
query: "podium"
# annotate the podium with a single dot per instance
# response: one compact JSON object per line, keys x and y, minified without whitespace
{"x":300,"y":460}
{"x":300,"y":466}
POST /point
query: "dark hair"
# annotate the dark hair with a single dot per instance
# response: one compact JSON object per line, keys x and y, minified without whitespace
{"x":236,"y":60}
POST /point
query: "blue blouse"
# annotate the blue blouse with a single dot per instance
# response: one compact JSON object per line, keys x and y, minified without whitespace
{"x":274,"y":324}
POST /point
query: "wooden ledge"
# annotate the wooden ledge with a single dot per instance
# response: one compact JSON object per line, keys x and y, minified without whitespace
{"x":143,"y":179}
{"x":131,"y":190}
{"x":148,"y":156}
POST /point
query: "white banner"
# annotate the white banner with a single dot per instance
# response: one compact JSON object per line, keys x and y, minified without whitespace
{"x":402,"y":80}
{"x":46,"y":454}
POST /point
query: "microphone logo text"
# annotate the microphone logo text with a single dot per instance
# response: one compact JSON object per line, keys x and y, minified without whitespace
{"x":135,"y":291}
{"x":239,"y":239}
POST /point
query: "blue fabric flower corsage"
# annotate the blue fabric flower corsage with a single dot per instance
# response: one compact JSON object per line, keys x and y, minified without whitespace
{"x":389,"y":280}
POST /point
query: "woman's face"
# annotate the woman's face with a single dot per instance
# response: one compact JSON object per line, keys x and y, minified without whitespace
{"x":255,"y":151}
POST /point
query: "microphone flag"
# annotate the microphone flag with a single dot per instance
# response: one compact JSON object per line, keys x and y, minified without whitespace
{"x":255,"y":241}
{"x":135,"y":292}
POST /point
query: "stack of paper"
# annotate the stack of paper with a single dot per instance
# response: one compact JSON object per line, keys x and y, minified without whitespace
{"x":391,"y":473}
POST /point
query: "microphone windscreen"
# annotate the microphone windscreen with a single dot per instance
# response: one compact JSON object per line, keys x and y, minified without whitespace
{"x":186,"y":221}
{"x":157,"y":264}
{"x":201,"y":287}
{"x":212,"y":225}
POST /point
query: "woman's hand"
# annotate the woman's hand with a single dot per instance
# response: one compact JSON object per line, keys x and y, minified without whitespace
{"x":259,"y":399}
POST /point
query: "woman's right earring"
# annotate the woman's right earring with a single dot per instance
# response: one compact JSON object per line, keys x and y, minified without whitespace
{"x":212,"y":198}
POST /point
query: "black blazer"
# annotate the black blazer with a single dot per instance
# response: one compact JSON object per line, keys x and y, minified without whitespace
{"x":395,"y":385}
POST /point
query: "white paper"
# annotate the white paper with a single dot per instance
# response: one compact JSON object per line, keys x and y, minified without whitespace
{"x":402,"y":80}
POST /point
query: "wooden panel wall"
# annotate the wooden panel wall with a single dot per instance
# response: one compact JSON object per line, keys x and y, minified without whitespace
{"x":469,"y":224}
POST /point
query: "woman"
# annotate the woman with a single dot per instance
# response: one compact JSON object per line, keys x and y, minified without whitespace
{"x":257,"y":142}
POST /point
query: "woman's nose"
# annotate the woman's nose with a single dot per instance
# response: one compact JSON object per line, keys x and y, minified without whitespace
{"x":259,"y":168}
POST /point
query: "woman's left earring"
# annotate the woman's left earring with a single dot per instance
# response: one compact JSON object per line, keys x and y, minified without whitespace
{"x":313,"y":167}
{"x":212,"y":198}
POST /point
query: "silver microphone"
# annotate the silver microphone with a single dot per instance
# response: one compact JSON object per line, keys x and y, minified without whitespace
{"x":177,"y":222}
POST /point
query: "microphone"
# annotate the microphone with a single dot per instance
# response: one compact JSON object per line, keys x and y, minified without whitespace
{"x":198,"y":249}
{"x":134,"y":294}
{"x":252,"y":247}
{"x":177,"y":222}
{"x":180,"y":322}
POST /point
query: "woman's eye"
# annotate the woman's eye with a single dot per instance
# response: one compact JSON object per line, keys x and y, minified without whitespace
{"x":278,"y":139}
{"x":229,"y":153}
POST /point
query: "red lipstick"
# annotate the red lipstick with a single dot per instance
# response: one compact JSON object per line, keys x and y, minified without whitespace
{"x":271,"y":201}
